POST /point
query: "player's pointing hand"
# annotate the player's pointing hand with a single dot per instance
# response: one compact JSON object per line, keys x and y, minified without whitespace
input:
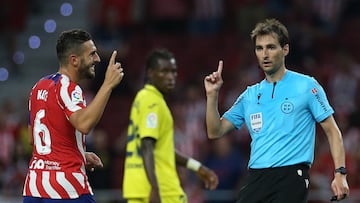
{"x":114,"y":73}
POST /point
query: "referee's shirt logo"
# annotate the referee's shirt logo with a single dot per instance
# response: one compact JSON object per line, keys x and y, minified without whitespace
{"x":287,"y":107}
{"x":256,"y":121}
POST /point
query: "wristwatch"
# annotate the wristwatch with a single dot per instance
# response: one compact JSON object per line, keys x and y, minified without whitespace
{"x":342,"y":170}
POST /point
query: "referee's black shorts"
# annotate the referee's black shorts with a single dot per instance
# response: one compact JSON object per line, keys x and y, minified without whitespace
{"x":288,"y":184}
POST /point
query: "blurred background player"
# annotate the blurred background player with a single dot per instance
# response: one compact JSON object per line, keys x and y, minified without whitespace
{"x":150,"y":166}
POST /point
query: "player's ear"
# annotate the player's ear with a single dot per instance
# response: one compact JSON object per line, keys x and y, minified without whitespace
{"x":150,"y":73}
{"x":74,"y":60}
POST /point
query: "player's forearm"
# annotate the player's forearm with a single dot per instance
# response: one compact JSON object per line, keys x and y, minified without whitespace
{"x":180,"y":158}
{"x":149,"y":162}
{"x":150,"y":170}
{"x":86,"y":119}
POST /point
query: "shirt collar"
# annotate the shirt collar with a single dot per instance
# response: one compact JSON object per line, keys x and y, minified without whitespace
{"x":152,"y":88}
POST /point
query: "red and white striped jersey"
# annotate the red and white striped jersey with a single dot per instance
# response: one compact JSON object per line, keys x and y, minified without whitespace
{"x":57,"y":167}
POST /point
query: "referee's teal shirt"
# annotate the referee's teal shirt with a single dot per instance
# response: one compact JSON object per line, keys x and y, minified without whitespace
{"x":281,"y":119}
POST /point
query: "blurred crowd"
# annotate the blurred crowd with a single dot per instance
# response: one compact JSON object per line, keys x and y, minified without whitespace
{"x":13,"y":21}
{"x":324,"y":44}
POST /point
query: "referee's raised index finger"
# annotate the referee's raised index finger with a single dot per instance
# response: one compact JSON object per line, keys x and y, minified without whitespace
{"x":220,"y":67}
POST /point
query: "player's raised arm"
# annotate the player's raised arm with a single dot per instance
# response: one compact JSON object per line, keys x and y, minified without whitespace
{"x":86,"y":119}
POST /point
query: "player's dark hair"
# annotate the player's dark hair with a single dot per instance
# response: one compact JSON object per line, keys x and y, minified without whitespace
{"x":153,"y":58}
{"x":270,"y":26}
{"x":152,"y":61}
{"x":70,"y":42}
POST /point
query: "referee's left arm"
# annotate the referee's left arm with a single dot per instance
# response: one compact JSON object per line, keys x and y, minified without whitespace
{"x":339,"y":185}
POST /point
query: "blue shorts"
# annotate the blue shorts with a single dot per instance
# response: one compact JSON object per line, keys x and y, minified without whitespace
{"x":86,"y":198}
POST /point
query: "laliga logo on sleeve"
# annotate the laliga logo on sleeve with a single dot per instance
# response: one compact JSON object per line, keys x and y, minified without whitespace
{"x":151,"y":120}
{"x":76,"y":97}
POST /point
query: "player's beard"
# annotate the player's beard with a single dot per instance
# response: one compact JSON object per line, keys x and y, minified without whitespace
{"x":87,"y":70}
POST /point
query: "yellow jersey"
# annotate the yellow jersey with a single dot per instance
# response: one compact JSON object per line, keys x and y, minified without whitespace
{"x":150,"y":117}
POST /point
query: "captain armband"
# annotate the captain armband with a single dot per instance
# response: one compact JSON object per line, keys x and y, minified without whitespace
{"x":193,"y":165}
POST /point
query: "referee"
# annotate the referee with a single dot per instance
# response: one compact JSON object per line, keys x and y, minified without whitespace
{"x":280,"y":113}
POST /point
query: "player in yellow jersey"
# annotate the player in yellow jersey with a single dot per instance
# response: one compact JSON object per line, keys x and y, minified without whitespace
{"x":150,"y":167}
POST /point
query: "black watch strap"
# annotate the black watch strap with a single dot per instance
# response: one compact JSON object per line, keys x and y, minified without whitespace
{"x":342,"y":170}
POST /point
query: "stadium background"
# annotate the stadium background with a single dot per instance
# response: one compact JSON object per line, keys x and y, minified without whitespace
{"x":324,"y":43}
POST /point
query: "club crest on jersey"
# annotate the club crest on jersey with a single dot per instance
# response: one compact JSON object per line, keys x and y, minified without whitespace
{"x":151,"y":120}
{"x":256,"y":122}
{"x":76,"y":97}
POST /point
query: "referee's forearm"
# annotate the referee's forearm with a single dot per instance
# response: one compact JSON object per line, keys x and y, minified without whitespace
{"x":212,"y":118}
